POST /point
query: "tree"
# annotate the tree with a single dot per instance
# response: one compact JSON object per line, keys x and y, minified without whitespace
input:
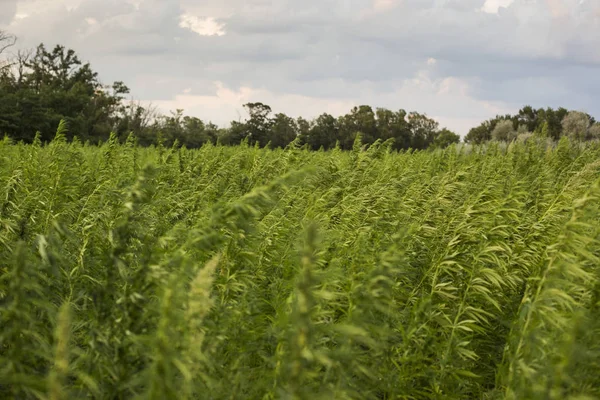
{"x":594,"y":131}
{"x":234,"y":135}
{"x":576,"y":124}
{"x":303,"y":129}
{"x":6,"y":41}
{"x":137,"y":119}
{"x":259,"y":125}
{"x":196,"y":133}
{"x":504,"y":131}
{"x":170,"y":127}
{"x":549,"y":122}
{"x":528,"y":117}
{"x":393,"y":125}
{"x":423,"y":130}
{"x":48,"y":86}
{"x":324,"y":132}
{"x":186,"y":130}
{"x":445,"y":138}
{"x":283,"y":130}
{"x":362,"y":119}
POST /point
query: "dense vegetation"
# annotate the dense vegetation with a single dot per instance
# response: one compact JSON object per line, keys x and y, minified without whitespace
{"x":240,"y":272}
{"x":547,"y":123}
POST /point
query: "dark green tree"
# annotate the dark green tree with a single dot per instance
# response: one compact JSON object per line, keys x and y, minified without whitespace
{"x":283,"y":130}
{"x":54,"y":85}
{"x":234,"y":135}
{"x":394,"y":125}
{"x":423,"y":130}
{"x":303,"y":129}
{"x":324,"y":132}
{"x":528,"y":117}
{"x":445,"y":138}
{"x":361,"y":120}
{"x":258,"y":126}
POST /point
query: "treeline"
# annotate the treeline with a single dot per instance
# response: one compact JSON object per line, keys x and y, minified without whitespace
{"x":266,"y":129}
{"x":41,"y":87}
{"x":409,"y":130}
{"x":548,"y":123}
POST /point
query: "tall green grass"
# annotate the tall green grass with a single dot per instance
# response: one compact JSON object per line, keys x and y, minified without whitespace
{"x":238,"y":272}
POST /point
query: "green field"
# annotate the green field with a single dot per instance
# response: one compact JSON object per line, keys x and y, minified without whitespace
{"x":246,"y":273}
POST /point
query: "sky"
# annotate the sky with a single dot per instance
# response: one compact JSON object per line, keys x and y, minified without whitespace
{"x":458,"y":61}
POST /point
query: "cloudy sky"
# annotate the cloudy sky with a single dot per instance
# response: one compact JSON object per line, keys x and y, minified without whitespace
{"x":459,"y":61}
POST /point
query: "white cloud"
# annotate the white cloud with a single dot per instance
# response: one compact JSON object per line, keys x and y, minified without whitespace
{"x":203,"y":26}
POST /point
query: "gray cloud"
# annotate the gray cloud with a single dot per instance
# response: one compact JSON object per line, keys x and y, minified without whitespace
{"x":361,"y":51}
{"x":8,"y":9}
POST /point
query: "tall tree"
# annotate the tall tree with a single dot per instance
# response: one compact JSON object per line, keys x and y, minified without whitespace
{"x":6,"y":41}
{"x":549,"y":122}
{"x":445,"y":138}
{"x":394,"y":125}
{"x":53,"y":85}
{"x":423,"y":130}
{"x":364,"y":119}
{"x":137,"y":119}
{"x":528,"y":117}
{"x":283,"y":130}
{"x":324,"y":132}
{"x":361,"y":120}
{"x":259,"y":124}
{"x":303,"y":129}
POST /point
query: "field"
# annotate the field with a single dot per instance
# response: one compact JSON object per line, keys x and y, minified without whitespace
{"x":246,"y":273}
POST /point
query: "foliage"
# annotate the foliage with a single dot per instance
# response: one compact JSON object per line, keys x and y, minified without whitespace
{"x":504,"y":131}
{"x":445,"y":138}
{"x":576,"y":125}
{"x":594,"y":131}
{"x":548,"y":123}
{"x":239,"y":272}
{"x":50,"y":86}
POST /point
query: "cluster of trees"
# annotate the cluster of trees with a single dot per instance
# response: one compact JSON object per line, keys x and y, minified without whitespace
{"x":548,"y":123}
{"x":41,"y":87}
{"x":409,"y":130}
{"x":266,"y":129}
